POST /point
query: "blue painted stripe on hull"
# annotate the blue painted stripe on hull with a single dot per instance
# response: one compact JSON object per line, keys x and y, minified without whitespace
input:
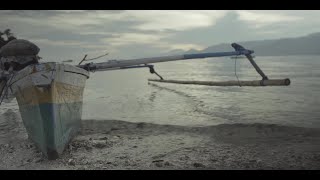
{"x":51,"y":126}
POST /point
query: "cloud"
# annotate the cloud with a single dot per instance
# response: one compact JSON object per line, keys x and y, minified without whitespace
{"x":129,"y":32}
{"x":120,"y":28}
{"x":185,"y":46}
{"x":134,"y":38}
{"x":260,"y":19}
{"x":145,"y":20}
{"x":155,"y":40}
{"x":174,"y":20}
{"x":58,"y":43}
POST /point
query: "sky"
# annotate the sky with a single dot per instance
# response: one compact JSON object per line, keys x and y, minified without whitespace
{"x":70,"y":34}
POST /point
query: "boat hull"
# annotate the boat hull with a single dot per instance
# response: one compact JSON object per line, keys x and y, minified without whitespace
{"x":50,"y":103}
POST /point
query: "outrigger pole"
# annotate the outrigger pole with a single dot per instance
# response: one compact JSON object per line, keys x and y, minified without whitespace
{"x":145,"y":62}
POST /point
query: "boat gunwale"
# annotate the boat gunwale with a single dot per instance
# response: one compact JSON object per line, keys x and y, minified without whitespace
{"x":30,"y":67}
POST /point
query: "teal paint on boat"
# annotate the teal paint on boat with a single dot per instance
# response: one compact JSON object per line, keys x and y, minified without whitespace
{"x":51,"y":126}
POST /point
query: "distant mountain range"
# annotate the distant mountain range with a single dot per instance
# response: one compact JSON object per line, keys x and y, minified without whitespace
{"x":305,"y":45}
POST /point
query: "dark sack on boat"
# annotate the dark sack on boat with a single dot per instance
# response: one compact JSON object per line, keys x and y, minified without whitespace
{"x":19,"y":47}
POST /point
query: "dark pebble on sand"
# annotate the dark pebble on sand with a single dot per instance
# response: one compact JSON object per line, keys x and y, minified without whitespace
{"x":85,"y":162}
{"x":71,"y":162}
{"x":115,"y":137}
{"x":158,"y":160}
{"x":99,"y":162}
{"x":252,"y":161}
{"x":103,"y":138}
{"x":88,"y":148}
{"x":198,"y":165}
{"x":122,"y":157}
{"x":38,"y":160}
{"x":140,"y":125}
{"x":158,"y":164}
{"x":184,"y":158}
{"x":100,"y":145}
{"x":230,"y":133}
{"x":24,"y":162}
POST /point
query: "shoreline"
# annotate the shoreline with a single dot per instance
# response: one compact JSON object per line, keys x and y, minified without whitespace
{"x":113,"y":144}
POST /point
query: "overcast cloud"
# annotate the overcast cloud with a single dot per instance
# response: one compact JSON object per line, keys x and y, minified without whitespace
{"x":129,"y":34}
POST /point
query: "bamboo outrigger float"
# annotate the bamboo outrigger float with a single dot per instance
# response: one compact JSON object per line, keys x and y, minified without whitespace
{"x":269,"y":82}
{"x":50,"y":94}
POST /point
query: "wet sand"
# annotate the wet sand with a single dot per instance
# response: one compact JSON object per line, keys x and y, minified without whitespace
{"x":113,"y":144}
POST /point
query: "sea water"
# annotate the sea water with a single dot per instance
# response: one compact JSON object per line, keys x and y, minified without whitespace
{"x":126,"y":95}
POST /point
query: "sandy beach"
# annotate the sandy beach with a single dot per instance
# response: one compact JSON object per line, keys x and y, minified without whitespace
{"x":113,"y":144}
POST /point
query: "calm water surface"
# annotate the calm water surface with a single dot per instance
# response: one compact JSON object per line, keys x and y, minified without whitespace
{"x":126,"y":94}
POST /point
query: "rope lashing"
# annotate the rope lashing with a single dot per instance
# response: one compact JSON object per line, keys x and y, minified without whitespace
{"x":235,"y":69}
{"x":4,"y":90}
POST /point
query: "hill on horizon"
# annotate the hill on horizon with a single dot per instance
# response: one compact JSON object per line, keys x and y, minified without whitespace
{"x":304,"y":45}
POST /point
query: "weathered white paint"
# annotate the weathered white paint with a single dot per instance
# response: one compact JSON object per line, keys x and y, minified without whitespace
{"x":44,"y":74}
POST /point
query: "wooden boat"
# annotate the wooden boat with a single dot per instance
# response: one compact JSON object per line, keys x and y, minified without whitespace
{"x":50,"y":94}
